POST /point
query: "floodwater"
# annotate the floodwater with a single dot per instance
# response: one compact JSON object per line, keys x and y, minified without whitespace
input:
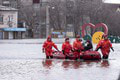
{"x":27,"y":62}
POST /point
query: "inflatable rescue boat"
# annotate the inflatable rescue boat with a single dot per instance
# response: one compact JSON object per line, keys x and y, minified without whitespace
{"x":87,"y":55}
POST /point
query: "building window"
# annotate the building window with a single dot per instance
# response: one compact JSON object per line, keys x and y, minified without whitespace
{"x":6,"y":3}
{"x":1,"y":19}
{"x":36,"y":1}
{"x":10,"y":20}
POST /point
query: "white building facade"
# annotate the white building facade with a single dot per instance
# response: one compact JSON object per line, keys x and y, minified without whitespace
{"x":8,"y":23}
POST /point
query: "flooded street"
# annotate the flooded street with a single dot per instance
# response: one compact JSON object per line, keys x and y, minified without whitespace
{"x":76,"y":26}
{"x":27,"y":62}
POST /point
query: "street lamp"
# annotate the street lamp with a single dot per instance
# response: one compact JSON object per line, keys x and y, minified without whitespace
{"x":53,"y":7}
{"x":48,"y":20}
{"x":118,"y":9}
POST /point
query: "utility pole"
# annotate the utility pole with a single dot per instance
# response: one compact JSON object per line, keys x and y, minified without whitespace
{"x":47,"y":21}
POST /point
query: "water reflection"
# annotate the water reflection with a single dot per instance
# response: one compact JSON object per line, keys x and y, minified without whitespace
{"x":77,"y":64}
{"x":66,"y":64}
{"x":90,"y":63}
{"x":105,"y":63}
{"x":47,"y":63}
{"x":102,"y":63}
{"x":71,"y":64}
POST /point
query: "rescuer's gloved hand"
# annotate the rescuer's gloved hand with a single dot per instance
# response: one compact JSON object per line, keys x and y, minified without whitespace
{"x":63,"y":51}
{"x":78,"y":50}
{"x":72,"y":50}
{"x":98,"y":48}
{"x":57,"y":49}
{"x":43,"y":50}
{"x":112,"y":49}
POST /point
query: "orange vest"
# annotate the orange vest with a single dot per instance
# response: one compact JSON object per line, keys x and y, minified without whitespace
{"x":48,"y":45}
{"x":77,"y":45}
{"x":66,"y":46}
{"x":105,"y":45}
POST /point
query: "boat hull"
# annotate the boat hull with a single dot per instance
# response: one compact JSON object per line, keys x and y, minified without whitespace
{"x":87,"y":55}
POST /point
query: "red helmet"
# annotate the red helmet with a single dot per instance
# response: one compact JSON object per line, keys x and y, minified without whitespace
{"x":49,"y":37}
{"x":78,"y":36}
{"x":66,"y":38}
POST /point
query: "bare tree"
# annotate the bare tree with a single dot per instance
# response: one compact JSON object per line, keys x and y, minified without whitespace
{"x":31,"y":17}
{"x":74,"y":12}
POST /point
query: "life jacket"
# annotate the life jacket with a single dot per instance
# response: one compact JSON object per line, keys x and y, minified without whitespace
{"x":105,"y":45}
{"x":77,"y":45}
{"x":48,"y":45}
{"x":67,"y":47}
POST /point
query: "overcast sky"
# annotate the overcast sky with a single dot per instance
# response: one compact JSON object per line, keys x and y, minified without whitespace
{"x":112,"y":1}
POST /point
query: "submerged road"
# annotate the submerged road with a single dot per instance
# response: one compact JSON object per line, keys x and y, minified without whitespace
{"x":25,"y":61}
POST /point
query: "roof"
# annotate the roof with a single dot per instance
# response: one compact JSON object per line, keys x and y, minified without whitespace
{"x":13,"y":29}
{"x":5,"y":8}
{"x":112,"y":1}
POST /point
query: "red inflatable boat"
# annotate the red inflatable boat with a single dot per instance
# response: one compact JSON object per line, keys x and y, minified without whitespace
{"x":87,"y":55}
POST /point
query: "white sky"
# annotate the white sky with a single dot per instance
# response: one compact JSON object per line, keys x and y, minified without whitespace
{"x":112,"y":1}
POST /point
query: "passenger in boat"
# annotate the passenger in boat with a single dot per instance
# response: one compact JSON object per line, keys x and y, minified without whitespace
{"x":105,"y":46}
{"x":89,"y":46}
{"x":77,"y":47}
{"x":47,"y":47}
{"x":66,"y":48}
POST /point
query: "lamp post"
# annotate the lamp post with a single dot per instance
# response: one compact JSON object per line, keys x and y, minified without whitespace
{"x":118,"y":9}
{"x":47,"y":21}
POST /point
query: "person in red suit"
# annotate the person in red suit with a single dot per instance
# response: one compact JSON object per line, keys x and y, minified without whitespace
{"x":105,"y":46}
{"x":66,"y":48}
{"x":77,"y":47}
{"x":47,"y":47}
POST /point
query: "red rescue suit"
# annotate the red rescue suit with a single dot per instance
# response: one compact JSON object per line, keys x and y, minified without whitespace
{"x":66,"y":47}
{"x":78,"y":47}
{"x":47,"y":46}
{"x":105,"y":46}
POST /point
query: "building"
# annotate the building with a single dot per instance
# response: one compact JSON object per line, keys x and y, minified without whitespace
{"x":9,"y":23}
{"x":9,"y":3}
